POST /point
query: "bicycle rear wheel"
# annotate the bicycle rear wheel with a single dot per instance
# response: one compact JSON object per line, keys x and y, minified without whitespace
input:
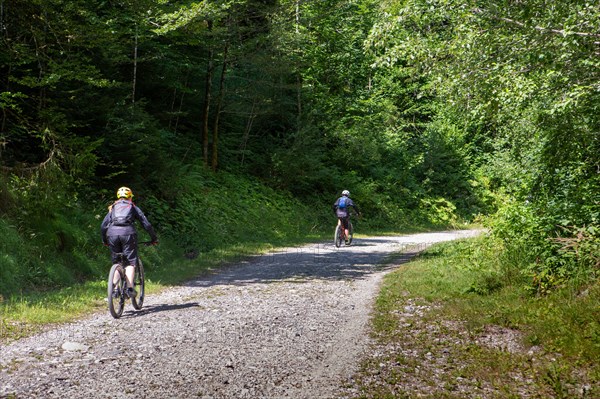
{"x":338,"y":237}
{"x":350,"y":231}
{"x":116,"y":292}
{"x":138,"y":282}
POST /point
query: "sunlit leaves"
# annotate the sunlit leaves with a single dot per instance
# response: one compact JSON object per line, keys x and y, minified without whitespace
{"x":190,"y":12}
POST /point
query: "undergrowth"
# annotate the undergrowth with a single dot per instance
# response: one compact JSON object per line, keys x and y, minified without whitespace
{"x":465,"y":290}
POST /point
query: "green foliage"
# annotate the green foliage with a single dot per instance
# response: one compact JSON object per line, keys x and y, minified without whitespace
{"x":549,"y":254}
{"x":13,"y":258}
{"x":514,"y":89}
{"x":204,"y":211}
{"x":49,"y":244}
{"x":42,"y":259}
{"x":302,"y":167}
{"x":134,"y":149}
{"x":114,"y":98}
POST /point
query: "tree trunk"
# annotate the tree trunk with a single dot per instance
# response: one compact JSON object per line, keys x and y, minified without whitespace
{"x":4,"y":116}
{"x":176,"y":114}
{"x":299,"y":77}
{"x":135,"y":60}
{"x":215,"y":137}
{"x":207,"y":100}
{"x":4,"y":31}
{"x":247,"y":132}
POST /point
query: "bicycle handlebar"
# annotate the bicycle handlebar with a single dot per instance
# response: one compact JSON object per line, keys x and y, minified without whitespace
{"x":146,"y":243}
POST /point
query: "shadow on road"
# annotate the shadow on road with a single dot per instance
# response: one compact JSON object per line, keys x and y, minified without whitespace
{"x":321,"y":261}
{"x":159,"y":308}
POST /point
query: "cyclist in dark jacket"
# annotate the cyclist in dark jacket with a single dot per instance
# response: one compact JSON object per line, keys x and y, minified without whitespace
{"x":341,"y":208}
{"x":119,"y":233}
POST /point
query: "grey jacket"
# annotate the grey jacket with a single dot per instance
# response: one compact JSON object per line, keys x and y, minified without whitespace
{"x":108,"y":229}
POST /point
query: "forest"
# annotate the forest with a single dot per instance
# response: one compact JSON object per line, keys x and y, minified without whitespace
{"x":242,"y":120}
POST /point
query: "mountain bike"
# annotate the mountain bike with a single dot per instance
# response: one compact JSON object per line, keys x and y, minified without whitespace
{"x":340,"y":234}
{"x":117,"y":292}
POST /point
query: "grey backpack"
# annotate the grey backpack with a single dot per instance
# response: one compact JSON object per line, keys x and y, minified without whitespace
{"x":122,"y":213}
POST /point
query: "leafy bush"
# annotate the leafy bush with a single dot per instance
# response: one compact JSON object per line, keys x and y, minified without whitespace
{"x":13,"y":257}
{"x":546,"y":253}
{"x":439,"y":211}
{"x":210,"y":210}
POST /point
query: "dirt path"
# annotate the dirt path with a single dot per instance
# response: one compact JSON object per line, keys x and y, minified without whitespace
{"x":292,"y":323}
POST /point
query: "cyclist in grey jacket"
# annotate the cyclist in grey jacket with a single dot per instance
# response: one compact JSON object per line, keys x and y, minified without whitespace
{"x":119,"y":233}
{"x":341,"y":208}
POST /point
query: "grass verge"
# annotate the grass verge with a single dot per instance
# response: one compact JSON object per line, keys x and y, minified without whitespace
{"x":454,"y":324}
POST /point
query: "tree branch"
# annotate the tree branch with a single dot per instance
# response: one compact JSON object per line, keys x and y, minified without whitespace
{"x":538,"y":28}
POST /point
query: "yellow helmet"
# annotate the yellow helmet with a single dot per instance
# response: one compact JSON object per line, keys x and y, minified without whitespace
{"x":124,"y":192}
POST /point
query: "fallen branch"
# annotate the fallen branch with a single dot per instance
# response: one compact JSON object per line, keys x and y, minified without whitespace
{"x":33,"y":168}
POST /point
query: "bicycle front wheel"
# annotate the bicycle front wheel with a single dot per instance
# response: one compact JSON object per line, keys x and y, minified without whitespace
{"x":138,"y":282}
{"x":337,"y":239}
{"x":116,"y":291}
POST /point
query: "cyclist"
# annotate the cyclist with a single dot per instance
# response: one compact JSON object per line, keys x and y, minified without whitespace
{"x":119,"y":233}
{"x":341,"y":208}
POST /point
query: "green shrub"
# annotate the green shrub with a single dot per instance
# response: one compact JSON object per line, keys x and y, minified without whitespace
{"x":212,"y":210}
{"x":13,"y":257}
{"x":541,"y":250}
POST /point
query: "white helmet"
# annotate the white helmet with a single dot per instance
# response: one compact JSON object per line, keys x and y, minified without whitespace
{"x":346,"y":193}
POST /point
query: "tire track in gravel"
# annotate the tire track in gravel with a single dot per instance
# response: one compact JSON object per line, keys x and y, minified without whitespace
{"x":292,"y":323}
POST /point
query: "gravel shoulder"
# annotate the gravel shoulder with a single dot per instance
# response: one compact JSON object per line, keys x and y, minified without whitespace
{"x":291,"y":323}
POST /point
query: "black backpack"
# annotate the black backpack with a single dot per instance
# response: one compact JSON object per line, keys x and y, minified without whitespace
{"x":122,"y":213}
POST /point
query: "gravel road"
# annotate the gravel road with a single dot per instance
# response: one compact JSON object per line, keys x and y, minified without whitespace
{"x":289,"y":324}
